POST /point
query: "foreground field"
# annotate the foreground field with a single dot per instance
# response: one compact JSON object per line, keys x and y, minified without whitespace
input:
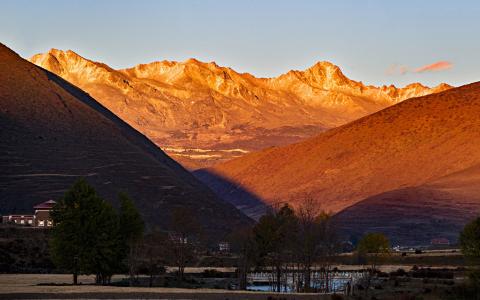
{"x":26,"y":286}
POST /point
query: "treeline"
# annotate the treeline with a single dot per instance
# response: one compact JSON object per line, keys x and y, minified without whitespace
{"x":90,"y":237}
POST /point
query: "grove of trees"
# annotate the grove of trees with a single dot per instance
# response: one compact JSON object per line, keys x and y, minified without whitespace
{"x":90,"y":237}
{"x":288,"y":243}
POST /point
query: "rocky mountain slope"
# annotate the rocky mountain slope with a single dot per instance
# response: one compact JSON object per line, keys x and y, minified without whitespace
{"x":201,"y":113}
{"x":52,"y":133}
{"x":412,"y":144}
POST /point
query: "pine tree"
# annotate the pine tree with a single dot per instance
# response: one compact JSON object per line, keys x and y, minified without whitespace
{"x":85,"y":238}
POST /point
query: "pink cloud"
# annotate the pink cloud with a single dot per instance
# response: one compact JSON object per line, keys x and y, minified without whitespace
{"x":438,"y":66}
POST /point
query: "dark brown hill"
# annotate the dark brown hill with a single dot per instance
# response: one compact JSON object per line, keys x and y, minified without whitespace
{"x":52,"y":133}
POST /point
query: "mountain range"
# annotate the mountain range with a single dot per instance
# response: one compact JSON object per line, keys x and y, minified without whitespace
{"x":53,"y":133}
{"x":201,"y":113}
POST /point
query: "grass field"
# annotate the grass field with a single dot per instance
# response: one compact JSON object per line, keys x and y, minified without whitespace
{"x":26,"y":286}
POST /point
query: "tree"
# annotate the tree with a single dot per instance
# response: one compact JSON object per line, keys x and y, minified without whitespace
{"x":470,"y":245}
{"x":85,"y":238}
{"x":181,"y":241}
{"x":373,"y":246}
{"x":274,"y":238}
{"x":153,"y":252}
{"x":329,"y":245}
{"x":131,"y":230}
{"x":470,"y":240}
{"x":310,"y":238}
{"x":243,"y":243}
{"x":106,"y":251}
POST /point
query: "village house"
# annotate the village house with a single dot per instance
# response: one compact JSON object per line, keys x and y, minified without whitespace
{"x":40,"y":218}
{"x":42,"y":214}
{"x":19,"y":219}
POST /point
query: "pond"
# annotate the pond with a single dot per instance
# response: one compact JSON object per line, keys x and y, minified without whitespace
{"x":337,"y":281}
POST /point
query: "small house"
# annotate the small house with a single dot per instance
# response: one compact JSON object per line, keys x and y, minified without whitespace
{"x":41,"y":217}
{"x":42,"y":213}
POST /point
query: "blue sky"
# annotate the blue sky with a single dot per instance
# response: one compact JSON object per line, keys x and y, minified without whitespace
{"x":372,"y":41}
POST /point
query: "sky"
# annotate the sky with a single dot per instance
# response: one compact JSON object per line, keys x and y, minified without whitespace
{"x":377,"y":42}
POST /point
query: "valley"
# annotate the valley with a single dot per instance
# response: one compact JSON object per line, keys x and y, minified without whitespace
{"x":266,"y":150}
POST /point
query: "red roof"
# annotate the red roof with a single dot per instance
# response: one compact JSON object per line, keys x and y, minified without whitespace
{"x":45,"y":205}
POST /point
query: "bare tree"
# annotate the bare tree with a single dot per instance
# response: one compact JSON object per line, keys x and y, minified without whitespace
{"x":274,"y":238}
{"x":181,"y":241}
{"x":329,"y":246}
{"x":316,"y":242}
{"x":243,"y":244}
{"x":308,"y":239}
{"x":153,"y":252}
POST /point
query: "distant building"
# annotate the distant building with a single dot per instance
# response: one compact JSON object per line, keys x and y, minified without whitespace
{"x":440,"y":241}
{"x":224,"y":247}
{"x":41,"y":217}
{"x":19,"y":219}
{"x":42,"y":214}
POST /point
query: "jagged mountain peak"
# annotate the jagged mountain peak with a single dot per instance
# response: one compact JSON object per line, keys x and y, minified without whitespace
{"x":325,"y":67}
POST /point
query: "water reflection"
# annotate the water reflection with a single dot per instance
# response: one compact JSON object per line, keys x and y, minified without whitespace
{"x":321,"y":282}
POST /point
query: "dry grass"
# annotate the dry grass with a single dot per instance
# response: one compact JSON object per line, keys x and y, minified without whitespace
{"x":25,"y":286}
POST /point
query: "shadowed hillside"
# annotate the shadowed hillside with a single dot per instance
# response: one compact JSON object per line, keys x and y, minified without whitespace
{"x":53,"y":133}
{"x":416,"y":215}
{"x":248,"y":203}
